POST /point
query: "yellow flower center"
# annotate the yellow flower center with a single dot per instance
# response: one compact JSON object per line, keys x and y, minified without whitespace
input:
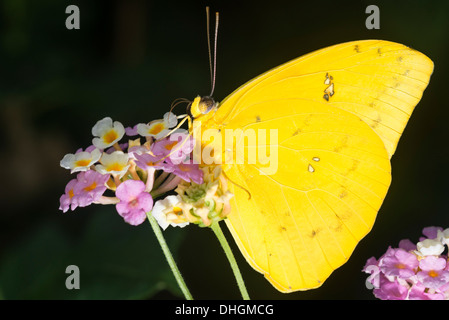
{"x":184,"y":167}
{"x":71,"y":193}
{"x":157,"y":128}
{"x":177,"y":211}
{"x":433,"y":273}
{"x":82,"y":163}
{"x":400,"y":266}
{"x":134,"y":203}
{"x":114,"y":167}
{"x":91,"y":187}
{"x":110,"y":136}
{"x":170,"y":146}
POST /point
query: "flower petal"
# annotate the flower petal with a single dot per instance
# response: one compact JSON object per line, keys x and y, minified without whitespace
{"x":129,"y":190}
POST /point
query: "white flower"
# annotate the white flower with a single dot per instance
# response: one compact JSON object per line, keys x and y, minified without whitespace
{"x":80,"y":161}
{"x":115,"y":163}
{"x":158,"y":128}
{"x":166,"y":212}
{"x":429,"y":247}
{"x":443,"y":236}
{"x":107,"y":133}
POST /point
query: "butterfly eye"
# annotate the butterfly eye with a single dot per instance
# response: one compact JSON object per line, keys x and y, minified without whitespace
{"x":206,"y":104}
{"x":201,"y":106}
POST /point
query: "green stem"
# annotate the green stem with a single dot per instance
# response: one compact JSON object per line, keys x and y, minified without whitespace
{"x":227,"y":249}
{"x":168,"y":256}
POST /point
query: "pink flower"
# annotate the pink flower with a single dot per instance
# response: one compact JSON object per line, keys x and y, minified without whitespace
{"x":146,"y":160}
{"x":412,"y":272}
{"x":430,"y":233}
{"x":134,"y":201}
{"x":90,"y":186}
{"x":68,"y":199}
{"x":187,"y":172}
{"x":420,"y":292}
{"x":177,"y":145}
{"x":131,"y":132}
{"x":432,"y":274}
{"x":399,"y":263}
{"x":390,"y":290}
{"x":407,"y":245}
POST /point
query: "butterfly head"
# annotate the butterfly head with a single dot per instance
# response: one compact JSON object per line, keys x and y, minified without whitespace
{"x":201,"y":106}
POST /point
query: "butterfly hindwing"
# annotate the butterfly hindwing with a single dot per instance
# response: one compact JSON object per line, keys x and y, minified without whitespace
{"x":303,"y":221}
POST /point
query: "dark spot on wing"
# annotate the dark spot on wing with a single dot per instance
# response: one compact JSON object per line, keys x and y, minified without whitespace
{"x":355,"y":165}
{"x":326,"y":97}
{"x":343,"y":194}
{"x":376,"y":122}
{"x":337,"y":227}
{"x":343,"y":144}
{"x":379,"y":51}
{"x":258,"y":119}
{"x":357,"y":48}
{"x":314,"y":233}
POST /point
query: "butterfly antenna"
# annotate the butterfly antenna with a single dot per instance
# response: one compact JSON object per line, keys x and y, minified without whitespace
{"x":208,"y":43}
{"x":236,"y":184}
{"x":177,"y":102}
{"x":212,"y":67}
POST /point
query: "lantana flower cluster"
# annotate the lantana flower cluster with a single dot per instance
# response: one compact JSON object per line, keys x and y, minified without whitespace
{"x":412,"y":271}
{"x":130,"y":167}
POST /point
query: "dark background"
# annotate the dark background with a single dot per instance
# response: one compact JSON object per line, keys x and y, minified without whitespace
{"x":129,"y":61}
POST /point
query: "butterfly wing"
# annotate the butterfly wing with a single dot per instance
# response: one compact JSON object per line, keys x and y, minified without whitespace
{"x":304,"y":221}
{"x":379,"y":81}
{"x":339,"y":112}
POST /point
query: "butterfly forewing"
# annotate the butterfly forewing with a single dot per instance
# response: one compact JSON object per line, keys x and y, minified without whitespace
{"x":379,"y":81}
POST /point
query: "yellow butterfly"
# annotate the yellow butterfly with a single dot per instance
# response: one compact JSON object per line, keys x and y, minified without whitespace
{"x":339,"y":113}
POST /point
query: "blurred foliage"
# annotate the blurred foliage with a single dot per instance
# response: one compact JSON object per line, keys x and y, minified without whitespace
{"x":129,"y":61}
{"x":114,"y":262}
